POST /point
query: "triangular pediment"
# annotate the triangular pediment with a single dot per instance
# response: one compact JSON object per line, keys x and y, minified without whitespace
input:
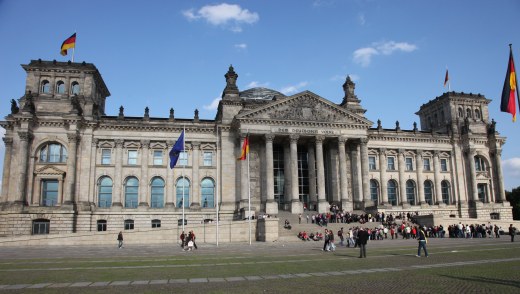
{"x":49,"y":170}
{"x":304,"y":106}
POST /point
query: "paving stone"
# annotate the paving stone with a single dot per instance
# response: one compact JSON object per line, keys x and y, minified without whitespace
{"x":120,"y":283}
{"x":59,"y":285}
{"x":99,"y":284}
{"x":235,"y":279}
{"x":318,"y":274}
{"x":39,"y":286}
{"x":198,"y":280}
{"x":175,"y":281}
{"x":288,"y":276}
{"x":140,"y":282}
{"x":253,"y":278}
{"x":157,"y":282}
{"x":80,"y":284}
{"x":334,"y":273}
{"x":17,"y":286}
{"x":302,"y":275}
{"x":216,"y":280}
{"x":270,"y":277}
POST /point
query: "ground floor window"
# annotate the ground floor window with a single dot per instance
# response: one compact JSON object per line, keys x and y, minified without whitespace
{"x":40,"y":226}
{"x":156,"y":223}
{"x":129,"y":224}
{"x":101,"y":225}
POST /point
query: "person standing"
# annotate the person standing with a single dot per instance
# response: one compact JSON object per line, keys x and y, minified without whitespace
{"x":341,"y":238}
{"x":191,"y":237}
{"x":326,"y":238}
{"x":421,"y":236}
{"x":512,"y":232}
{"x":120,"y":239}
{"x":362,"y":239}
{"x":183,"y":239}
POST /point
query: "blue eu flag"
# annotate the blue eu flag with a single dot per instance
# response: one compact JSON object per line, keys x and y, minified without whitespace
{"x":176,"y":150}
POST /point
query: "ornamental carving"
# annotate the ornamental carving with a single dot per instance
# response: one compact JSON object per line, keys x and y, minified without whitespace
{"x":306,"y":109}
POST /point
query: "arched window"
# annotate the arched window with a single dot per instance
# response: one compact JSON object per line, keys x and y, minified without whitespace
{"x":183,"y":189}
{"x":461,"y":112}
{"x":75,"y":88}
{"x":428,"y":192}
{"x":60,"y":87}
{"x":131,"y":192}
{"x":374,"y":191}
{"x":445,"y":187}
{"x":45,"y":87}
{"x":40,"y":226}
{"x":410,"y":192}
{"x":392,"y":192}
{"x":477,"y":114}
{"x":105,"y":192}
{"x":53,"y":152}
{"x":468,"y":113}
{"x":480,"y":164}
{"x":157,"y":193}
{"x":207,"y":193}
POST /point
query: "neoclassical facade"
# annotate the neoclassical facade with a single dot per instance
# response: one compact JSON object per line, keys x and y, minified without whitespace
{"x":69,"y":167}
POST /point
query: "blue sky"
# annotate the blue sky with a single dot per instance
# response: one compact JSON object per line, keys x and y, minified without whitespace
{"x":164,"y":54}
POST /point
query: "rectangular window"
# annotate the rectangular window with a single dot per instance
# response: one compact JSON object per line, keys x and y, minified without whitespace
{"x":426,"y":165}
{"x":40,"y":227}
{"x":49,"y":192}
{"x":132,"y":157}
{"x":101,"y":225}
{"x":105,"y":156}
{"x":390,"y":162}
{"x":372,"y":163}
{"x":409,"y":163}
{"x":129,"y":224}
{"x":208,"y":158}
{"x":444,"y":164}
{"x":183,"y":158}
{"x":157,"y":157}
{"x":156,"y":223}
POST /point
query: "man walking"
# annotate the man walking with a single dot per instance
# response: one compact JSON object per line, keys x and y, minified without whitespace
{"x":512,"y":232}
{"x":120,"y":240}
{"x":421,"y":236}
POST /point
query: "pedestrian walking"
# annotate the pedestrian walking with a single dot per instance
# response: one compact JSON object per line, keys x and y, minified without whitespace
{"x":512,"y":232}
{"x":183,"y":239}
{"x":120,"y":240}
{"x":421,"y":236}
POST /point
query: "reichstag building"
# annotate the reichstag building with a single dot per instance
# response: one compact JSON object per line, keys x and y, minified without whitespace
{"x":69,"y":167}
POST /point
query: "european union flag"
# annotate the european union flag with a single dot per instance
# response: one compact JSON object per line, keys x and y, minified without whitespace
{"x":176,"y":150}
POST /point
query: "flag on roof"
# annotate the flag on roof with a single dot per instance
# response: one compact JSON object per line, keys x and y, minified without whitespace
{"x":510,"y":90}
{"x":70,"y":42}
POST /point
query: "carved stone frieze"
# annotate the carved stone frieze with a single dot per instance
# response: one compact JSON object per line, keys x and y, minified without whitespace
{"x":307,"y":109}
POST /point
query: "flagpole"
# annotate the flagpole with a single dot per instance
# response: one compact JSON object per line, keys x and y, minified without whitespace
{"x":183,"y":179}
{"x":249,"y":189}
{"x":74,"y":48}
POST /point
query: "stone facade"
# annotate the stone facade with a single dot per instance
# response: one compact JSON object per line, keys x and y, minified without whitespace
{"x":70,"y":168}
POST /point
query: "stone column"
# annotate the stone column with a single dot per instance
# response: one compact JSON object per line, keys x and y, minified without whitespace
{"x":356,"y":172}
{"x":25,"y":136}
{"x":473,"y":174}
{"x":271,"y":207}
{"x":420,"y":182}
{"x":7,"y":168}
{"x":144,"y":187}
{"x":402,"y":179}
{"x":323,"y":206}
{"x":343,"y":181}
{"x":296,"y":205}
{"x":244,"y":187}
{"x":93,"y":188}
{"x":437,"y":177}
{"x":195,"y":203}
{"x":313,"y":197}
{"x":364,"y":173}
{"x":71,"y":169}
{"x":118,"y":183}
{"x":501,"y":197}
{"x":382,"y":176}
{"x":170,"y":191}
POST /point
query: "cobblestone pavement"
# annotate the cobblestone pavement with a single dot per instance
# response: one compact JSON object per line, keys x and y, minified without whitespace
{"x":438,"y":259}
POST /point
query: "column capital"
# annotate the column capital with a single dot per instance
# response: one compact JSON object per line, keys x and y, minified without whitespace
{"x":436,"y":153}
{"x":319,"y":139}
{"x":419,"y":152}
{"x":382,"y":151}
{"x":170,"y":143}
{"x":119,"y":143}
{"x":8,"y":141}
{"x":269,"y":137}
{"x":145,"y":143}
{"x":401,"y":151}
{"x":342,"y":140}
{"x":363,"y":141}
{"x":73,"y":137}
{"x":242,"y":135}
{"x":24,"y":135}
{"x":94,"y":142}
{"x":498,"y":152}
{"x":294,"y":138}
{"x":472,"y":151}
{"x":195,"y":145}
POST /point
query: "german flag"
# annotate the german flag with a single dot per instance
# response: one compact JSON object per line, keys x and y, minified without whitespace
{"x":67,"y":44}
{"x":245,"y":149}
{"x":509,"y":93}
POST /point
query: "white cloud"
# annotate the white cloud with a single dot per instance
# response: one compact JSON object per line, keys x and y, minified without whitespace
{"x":511,"y":166}
{"x":361,"y":18}
{"x":363,"y":56}
{"x":229,"y":15}
{"x":293,"y":88}
{"x":241,"y":46}
{"x":255,"y":84}
{"x":213,"y":105}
